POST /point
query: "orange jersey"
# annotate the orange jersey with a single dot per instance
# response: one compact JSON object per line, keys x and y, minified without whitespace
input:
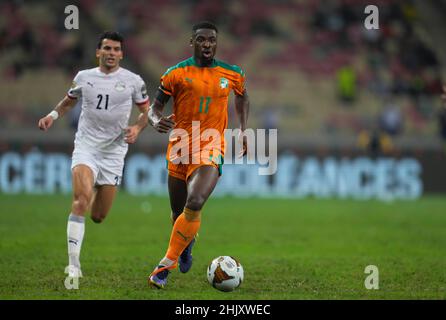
{"x":201,"y":94}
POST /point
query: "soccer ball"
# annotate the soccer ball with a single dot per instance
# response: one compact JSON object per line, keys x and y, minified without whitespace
{"x":225,"y":273}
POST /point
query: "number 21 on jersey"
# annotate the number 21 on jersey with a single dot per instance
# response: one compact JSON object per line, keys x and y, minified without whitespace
{"x":100,"y":97}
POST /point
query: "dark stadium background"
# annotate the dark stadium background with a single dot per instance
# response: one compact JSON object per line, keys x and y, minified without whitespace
{"x":358,"y":112}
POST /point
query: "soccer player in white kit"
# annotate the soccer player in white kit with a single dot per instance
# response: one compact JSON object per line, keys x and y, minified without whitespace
{"x":108,"y":93}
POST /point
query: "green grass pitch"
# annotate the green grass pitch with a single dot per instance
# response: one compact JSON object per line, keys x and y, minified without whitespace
{"x":290,"y":249}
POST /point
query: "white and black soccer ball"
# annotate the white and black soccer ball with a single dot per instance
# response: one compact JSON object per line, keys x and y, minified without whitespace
{"x":225,"y":273}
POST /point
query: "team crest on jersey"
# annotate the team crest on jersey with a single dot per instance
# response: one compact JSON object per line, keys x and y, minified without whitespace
{"x":73,"y":85}
{"x":223,"y":83}
{"x":120,"y":86}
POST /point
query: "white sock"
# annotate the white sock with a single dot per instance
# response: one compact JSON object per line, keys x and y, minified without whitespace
{"x":75,"y":235}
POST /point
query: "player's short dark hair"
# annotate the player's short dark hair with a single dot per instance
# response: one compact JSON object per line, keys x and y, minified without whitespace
{"x":111,"y":35}
{"x":204,"y":25}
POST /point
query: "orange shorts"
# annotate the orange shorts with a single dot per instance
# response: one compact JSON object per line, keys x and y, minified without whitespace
{"x":183,"y":171}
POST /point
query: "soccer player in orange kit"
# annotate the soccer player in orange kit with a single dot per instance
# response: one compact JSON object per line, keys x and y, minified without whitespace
{"x":200,"y":87}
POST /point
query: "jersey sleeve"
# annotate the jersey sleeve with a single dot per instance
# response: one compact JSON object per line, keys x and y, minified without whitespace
{"x":239,"y":84}
{"x":75,"y":91}
{"x":167,"y":83}
{"x":140,"y":91}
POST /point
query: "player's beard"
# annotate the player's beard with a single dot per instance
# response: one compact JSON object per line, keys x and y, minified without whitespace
{"x":207,"y":59}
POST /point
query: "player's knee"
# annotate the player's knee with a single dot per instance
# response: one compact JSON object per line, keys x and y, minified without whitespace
{"x":81,"y":203}
{"x":195,"y":202}
{"x":97,"y":219}
{"x":98,"y":215}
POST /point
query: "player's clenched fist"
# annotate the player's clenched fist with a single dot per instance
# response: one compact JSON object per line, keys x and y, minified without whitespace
{"x":45,"y":123}
{"x":164,"y":124}
{"x":131,"y":133}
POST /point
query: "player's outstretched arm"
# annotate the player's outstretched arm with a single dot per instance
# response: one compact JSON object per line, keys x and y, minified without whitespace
{"x":132,"y":132}
{"x":62,"y":107}
{"x":156,"y":119}
{"x":242,"y":110}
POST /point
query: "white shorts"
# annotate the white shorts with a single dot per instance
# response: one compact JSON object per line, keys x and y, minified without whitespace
{"x":107,"y":169}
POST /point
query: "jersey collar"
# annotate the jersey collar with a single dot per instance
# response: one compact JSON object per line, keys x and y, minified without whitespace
{"x":195,"y":63}
{"x":98,"y":70}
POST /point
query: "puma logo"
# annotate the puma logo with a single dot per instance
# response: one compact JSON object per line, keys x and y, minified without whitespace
{"x":183,"y":236}
{"x":72,"y":241}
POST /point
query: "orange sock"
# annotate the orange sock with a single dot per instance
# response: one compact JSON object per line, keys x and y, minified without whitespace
{"x":183,"y":232}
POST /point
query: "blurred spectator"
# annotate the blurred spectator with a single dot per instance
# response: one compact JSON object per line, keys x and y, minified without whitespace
{"x":375,"y":142}
{"x":346,"y":79}
{"x":270,"y":118}
{"x":391,"y":120}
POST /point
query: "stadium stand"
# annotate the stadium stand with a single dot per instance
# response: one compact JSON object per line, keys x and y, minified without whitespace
{"x":311,"y":64}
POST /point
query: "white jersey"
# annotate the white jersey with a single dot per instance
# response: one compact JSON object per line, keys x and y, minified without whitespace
{"x":107,"y":101}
